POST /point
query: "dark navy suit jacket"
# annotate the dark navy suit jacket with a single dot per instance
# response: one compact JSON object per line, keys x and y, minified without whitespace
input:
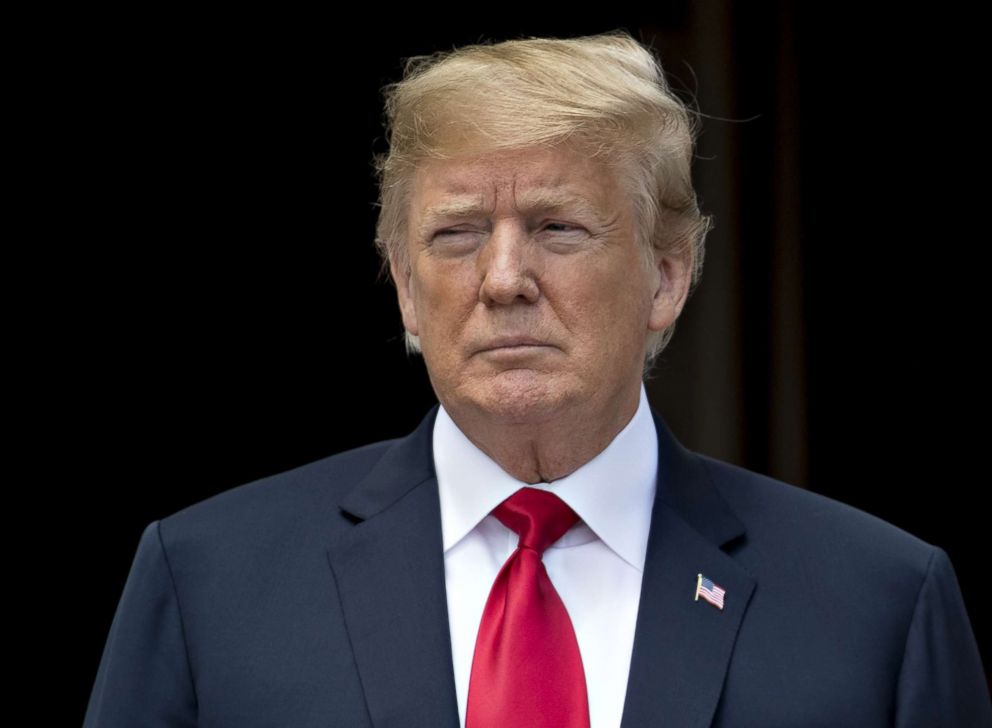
{"x":316,"y":597}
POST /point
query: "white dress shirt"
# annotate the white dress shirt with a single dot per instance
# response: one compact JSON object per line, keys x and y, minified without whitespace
{"x":596,"y":567}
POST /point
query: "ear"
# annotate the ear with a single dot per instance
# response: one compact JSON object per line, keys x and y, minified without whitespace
{"x":670,"y":285}
{"x":403,"y":278}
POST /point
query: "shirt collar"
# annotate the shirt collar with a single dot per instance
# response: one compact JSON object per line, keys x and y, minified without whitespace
{"x":613,"y":493}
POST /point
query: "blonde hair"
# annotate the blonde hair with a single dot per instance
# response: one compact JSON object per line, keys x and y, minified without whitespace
{"x":605,"y":93}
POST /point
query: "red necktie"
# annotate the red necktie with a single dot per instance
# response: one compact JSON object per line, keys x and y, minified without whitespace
{"x":527,"y":670}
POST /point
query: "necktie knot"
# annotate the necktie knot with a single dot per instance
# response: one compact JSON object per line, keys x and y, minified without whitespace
{"x":538,"y":516}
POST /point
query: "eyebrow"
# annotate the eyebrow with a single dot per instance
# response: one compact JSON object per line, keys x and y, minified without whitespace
{"x":544,"y":200}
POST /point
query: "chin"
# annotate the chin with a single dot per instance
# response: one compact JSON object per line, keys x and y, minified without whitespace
{"x":521,"y":396}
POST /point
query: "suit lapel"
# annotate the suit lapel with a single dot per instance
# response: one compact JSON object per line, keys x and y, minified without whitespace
{"x":682,"y":646}
{"x":389,"y":570}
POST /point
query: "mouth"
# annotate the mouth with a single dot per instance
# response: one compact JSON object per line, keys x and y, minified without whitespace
{"x":514,"y":343}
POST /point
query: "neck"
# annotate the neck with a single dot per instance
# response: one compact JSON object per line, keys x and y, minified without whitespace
{"x":554,"y":447}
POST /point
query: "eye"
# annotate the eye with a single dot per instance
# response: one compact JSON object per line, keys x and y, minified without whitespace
{"x":453,"y":233}
{"x":454,"y":242}
{"x":561,"y":227}
{"x":562,"y":232}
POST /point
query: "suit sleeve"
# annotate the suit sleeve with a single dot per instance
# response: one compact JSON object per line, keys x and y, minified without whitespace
{"x":144,"y":678}
{"x":941,"y":682}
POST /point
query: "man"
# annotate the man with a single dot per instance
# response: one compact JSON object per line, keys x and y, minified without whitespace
{"x":540,"y":550}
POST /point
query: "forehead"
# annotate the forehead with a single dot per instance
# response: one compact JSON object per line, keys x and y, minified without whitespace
{"x":521,"y":180}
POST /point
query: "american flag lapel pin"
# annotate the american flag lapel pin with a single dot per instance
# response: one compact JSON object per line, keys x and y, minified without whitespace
{"x":709,"y":591}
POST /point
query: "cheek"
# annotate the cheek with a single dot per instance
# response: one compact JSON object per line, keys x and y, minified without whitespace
{"x":446,"y":296}
{"x":609,"y":315}
{"x":610,"y":293}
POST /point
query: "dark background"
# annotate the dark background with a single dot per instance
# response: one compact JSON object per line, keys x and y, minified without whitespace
{"x":221,"y":318}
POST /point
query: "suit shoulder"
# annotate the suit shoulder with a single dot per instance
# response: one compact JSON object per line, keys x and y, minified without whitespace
{"x":296,"y":498}
{"x":778,"y":514}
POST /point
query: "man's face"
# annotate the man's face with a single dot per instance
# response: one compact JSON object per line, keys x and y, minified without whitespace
{"x":526,"y":285}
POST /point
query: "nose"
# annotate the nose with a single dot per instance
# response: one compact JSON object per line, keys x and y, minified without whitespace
{"x":507,"y":264}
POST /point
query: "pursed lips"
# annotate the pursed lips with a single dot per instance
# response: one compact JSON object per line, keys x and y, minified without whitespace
{"x":512,"y":341}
